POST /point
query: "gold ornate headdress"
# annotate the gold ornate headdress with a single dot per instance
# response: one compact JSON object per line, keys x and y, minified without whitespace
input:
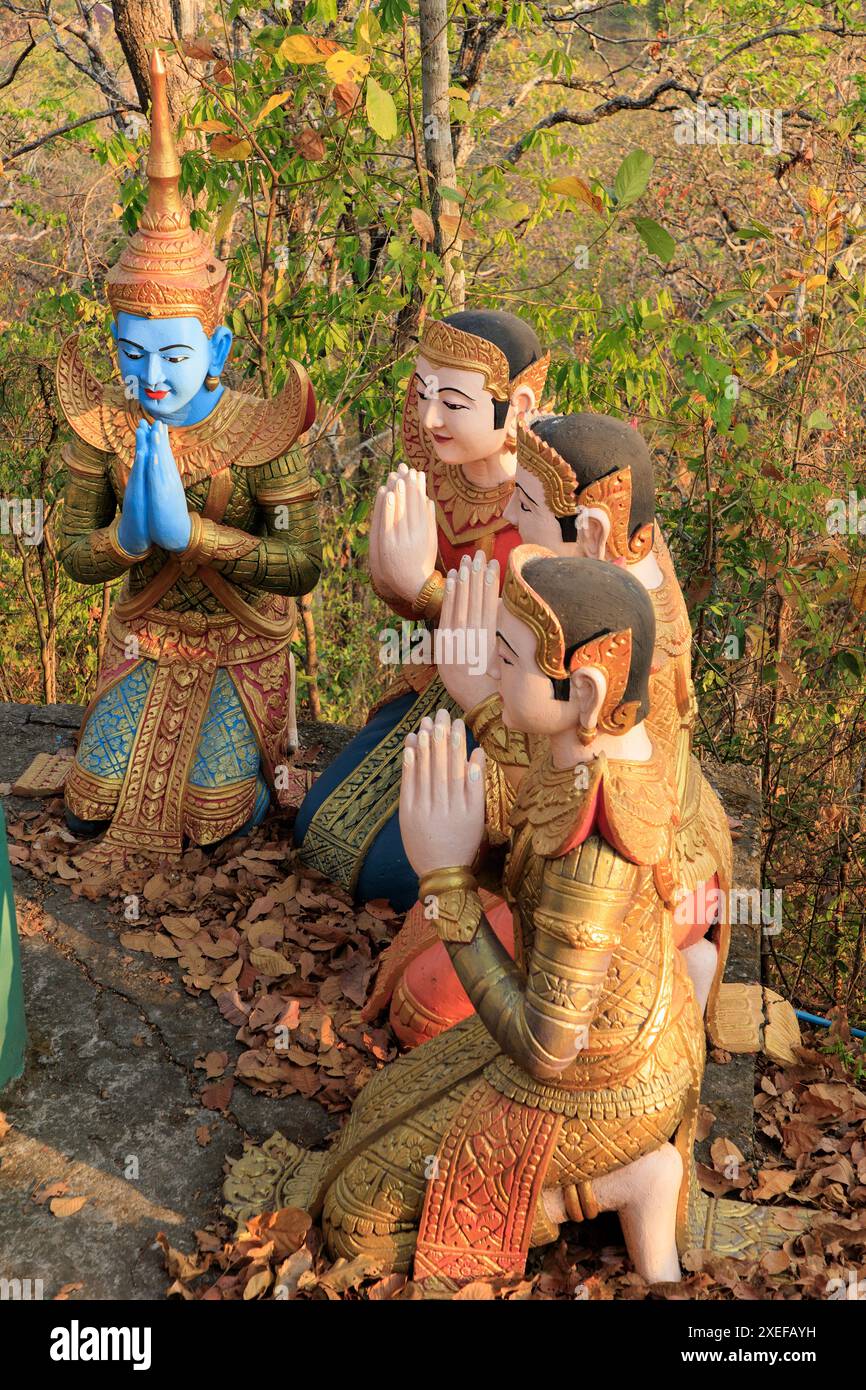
{"x":611,"y":494}
{"x":166,"y":270}
{"x":611,"y":652}
{"x":447,"y":346}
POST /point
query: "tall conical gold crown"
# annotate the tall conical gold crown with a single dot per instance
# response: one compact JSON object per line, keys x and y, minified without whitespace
{"x":166,"y":270}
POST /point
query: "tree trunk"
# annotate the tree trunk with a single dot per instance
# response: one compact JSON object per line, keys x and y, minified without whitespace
{"x":141,"y":25}
{"x":438,"y":150}
{"x":311,"y":658}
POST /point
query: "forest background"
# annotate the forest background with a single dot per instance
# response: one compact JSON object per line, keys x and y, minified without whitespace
{"x":675,"y":196}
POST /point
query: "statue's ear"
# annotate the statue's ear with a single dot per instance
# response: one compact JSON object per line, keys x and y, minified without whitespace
{"x":220,"y":347}
{"x":588,"y":691}
{"x":594,"y":526}
{"x":523,"y":399}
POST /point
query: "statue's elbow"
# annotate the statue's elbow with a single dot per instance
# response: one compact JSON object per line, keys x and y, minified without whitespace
{"x":314,"y":567}
{"x":70,"y":565}
{"x":541,"y":1064}
{"x":544,"y":1068}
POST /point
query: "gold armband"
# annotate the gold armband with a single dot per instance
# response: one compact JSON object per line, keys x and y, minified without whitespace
{"x":209,"y":541}
{"x":284,"y":491}
{"x":427,"y":603}
{"x":585,"y":897}
{"x":457,"y":907}
{"x":83,"y":460}
{"x":106,"y":543}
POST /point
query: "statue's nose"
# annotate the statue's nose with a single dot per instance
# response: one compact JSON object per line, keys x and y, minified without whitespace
{"x":432,"y":414}
{"x":154,"y":369}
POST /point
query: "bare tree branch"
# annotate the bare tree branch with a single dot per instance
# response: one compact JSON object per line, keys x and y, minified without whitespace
{"x":10,"y":77}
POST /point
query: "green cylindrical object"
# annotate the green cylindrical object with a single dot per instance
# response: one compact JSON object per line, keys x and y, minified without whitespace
{"x":13,"y":1034}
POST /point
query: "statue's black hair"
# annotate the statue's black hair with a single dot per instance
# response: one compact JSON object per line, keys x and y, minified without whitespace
{"x":591,"y":598}
{"x":594,"y":446}
{"x":515,"y":339}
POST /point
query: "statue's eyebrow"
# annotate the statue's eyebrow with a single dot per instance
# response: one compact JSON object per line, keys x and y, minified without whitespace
{"x":525,"y":493}
{"x":455,"y":389}
{"x":176,"y":345}
{"x":130,"y":342}
{"x":507,"y":643}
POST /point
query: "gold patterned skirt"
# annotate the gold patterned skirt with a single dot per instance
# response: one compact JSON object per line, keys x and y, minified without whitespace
{"x":187,"y":727}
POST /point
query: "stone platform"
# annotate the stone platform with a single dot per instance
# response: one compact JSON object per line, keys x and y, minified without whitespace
{"x":110,"y":1086}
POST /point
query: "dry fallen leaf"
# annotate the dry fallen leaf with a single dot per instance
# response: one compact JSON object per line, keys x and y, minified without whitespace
{"x":259,"y":1283}
{"x":65,"y":1290}
{"x":66,"y":1206}
{"x":770,"y":1182}
{"x":217,"y":1097}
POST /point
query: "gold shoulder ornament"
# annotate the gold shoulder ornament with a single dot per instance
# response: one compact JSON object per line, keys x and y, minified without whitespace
{"x":636,"y":800}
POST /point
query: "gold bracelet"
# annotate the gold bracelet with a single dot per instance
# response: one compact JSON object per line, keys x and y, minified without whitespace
{"x":453,"y":896}
{"x":427,"y":603}
{"x":108,"y":543}
{"x":580,"y":1202}
{"x":209,"y":540}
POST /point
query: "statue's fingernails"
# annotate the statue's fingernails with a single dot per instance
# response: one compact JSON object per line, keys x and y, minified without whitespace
{"x":474,"y":772}
{"x":477,"y":562}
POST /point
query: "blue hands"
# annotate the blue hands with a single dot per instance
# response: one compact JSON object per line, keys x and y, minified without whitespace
{"x":154,"y":504}
{"x":133,"y":532}
{"x":170,"y":526}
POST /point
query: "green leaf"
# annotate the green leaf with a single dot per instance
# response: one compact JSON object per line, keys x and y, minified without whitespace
{"x":632,"y":177}
{"x":819,"y":420}
{"x":849,"y":661}
{"x":381,"y":111}
{"x":740,"y":434}
{"x":756,"y":232}
{"x":656,"y":239}
{"x":227,"y":212}
{"x":723,"y":302}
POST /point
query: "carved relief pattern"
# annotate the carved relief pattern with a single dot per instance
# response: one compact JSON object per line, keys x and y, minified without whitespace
{"x":478,"y":1213}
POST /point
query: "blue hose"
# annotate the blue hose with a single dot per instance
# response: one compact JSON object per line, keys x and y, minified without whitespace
{"x":825,"y":1022}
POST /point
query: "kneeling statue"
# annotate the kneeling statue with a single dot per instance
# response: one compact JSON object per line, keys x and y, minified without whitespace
{"x":574,"y":1086}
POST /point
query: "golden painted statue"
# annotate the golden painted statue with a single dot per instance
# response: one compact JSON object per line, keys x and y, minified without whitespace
{"x":191,"y":493}
{"x":583,"y":488}
{"x":572,"y":1087}
{"x":477,"y":373}
{"x":560,"y":1095}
